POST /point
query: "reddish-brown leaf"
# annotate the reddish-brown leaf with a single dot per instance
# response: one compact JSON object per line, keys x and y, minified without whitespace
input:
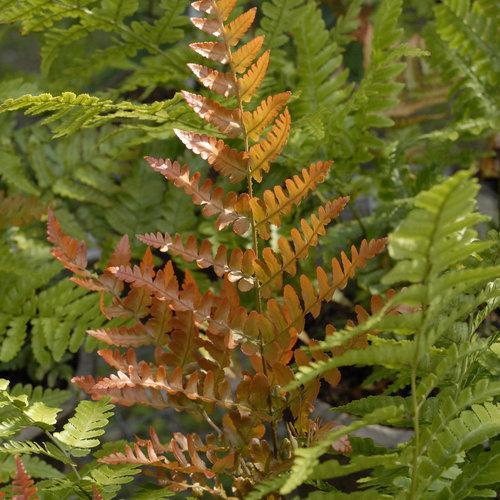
{"x":221,"y":83}
{"x":227,"y":161}
{"x":215,"y":51}
{"x":210,"y":26}
{"x":23,"y":487}
{"x":238,"y":265}
{"x":231,"y":209}
{"x":226,"y":120}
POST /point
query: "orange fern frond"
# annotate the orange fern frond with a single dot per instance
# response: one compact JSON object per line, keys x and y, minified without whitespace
{"x":220,"y":83}
{"x":225,"y":7}
{"x":146,"y":385}
{"x":96,"y":494}
{"x":238,"y":266}
{"x":235,"y":30}
{"x":230,"y":208}
{"x":124,"y":336}
{"x":23,"y":487}
{"x":215,"y":51}
{"x":279,"y":201}
{"x":226,"y":120}
{"x":19,"y":210}
{"x":342,"y":271}
{"x":227,"y":161}
{"x":280,"y":324}
{"x":182,"y":456}
{"x":210,"y":26}
{"x":266,"y":151}
{"x":246,"y":54}
{"x":223,"y":317}
{"x":70,"y":252}
{"x":269,"y":270}
{"x":249,"y":83}
{"x":256,"y":121}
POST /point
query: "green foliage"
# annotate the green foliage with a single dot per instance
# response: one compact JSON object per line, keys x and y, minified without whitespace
{"x":80,"y":432}
{"x":20,"y":410}
{"x":453,"y":408}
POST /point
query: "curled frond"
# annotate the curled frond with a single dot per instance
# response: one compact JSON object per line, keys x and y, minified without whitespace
{"x":278,"y":202}
{"x":238,"y":265}
{"x":230,"y":208}
{"x":227,"y":161}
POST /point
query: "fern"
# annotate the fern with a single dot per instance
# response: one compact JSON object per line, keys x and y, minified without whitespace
{"x":72,"y":112}
{"x":180,"y":319}
{"x":432,"y":248}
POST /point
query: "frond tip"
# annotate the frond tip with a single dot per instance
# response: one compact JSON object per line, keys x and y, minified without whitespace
{"x":23,"y":487}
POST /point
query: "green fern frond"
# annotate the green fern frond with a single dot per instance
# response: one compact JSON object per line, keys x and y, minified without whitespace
{"x":397,"y":355}
{"x":318,"y":61}
{"x":80,"y":432}
{"x":480,"y":472}
{"x":73,"y":112}
{"x":307,"y":459}
{"x":278,"y":18}
{"x":32,"y":448}
{"x":473,"y":427}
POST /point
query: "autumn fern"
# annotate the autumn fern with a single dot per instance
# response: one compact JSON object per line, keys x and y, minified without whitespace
{"x":200,"y":338}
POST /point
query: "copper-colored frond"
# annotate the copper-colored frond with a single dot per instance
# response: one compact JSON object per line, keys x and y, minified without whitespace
{"x":124,"y":336}
{"x":236,"y":29}
{"x":225,"y":7}
{"x":246,"y":54}
{"x":250,"y":82}
{"x":215,"y":51}
{"x":221,"y":83}
{"x":207,"y":6}
{"x":270,"y":268}
{"x":70,"y":252}
{"x":210,"y":26}
{"x":263,"y":153}
{"x":226,"y":120}
{"x":238,"y":266}
{"x":231,"y":209}
{"x":256,"y":121}
{"x":146,"y":385}
{"x":229,"y":162}
{"x":279,"y":201}
{"x":23,"y":487}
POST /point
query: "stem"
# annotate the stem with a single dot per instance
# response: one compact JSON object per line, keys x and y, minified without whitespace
{"x":255,"y":241}
{"x":211,"y":423}
{"x":416,"y":428}
{"x":73,"y":468}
